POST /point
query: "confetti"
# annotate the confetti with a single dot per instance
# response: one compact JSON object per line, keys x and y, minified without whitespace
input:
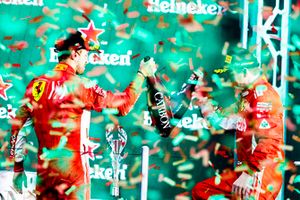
{"x":166,"y":180}
{"x":178,"y":139}
{"x":186,"y":166}
{"x":184,"y":176}
{"x":97,"y":71}
{"x":17,"y":65}
{"x":18,"y":45}
{"x":70,"y":190}
{"x":204,"y":154}
{"x":110,"y":78}
{"x":133,"y":14}
{"x":8,"y":38}
{"x":41,"y":30}
{"x":36,"y":19}
{"x":31,"y":148}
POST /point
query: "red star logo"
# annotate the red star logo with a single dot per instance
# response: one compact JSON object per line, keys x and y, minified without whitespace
{"x":3,"y":88}
{"x":89,"y":149}
{"x":91,"y":32}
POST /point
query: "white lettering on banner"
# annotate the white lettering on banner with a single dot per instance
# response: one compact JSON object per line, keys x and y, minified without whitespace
{"x":23,"y":2}
{"x":182,"y":8}
{"x":8,"y":112}
{"x":193,"y":123}
{"x":101,"y":59}
{"x":97,"y":172}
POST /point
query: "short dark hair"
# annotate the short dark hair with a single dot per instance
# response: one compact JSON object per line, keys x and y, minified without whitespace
{"x":63,"y":45}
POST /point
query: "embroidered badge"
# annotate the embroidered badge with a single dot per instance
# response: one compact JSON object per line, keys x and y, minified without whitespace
{"x":61,"y":67}
{"x":38,"y":89}
{"x":260,"y":89}
{"x":264,"y":124}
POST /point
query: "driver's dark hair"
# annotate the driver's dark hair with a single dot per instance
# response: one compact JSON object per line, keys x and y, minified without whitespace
{"x":62,"y":46}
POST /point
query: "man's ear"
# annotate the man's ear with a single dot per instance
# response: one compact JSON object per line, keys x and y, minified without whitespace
{"x":73,"y":54}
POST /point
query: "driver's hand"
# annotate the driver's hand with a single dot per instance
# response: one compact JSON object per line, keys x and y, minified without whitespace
{"x":19,"y":179}
{"x":148,"y":68}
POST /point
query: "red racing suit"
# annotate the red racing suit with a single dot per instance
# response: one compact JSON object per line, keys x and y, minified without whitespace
{"x":259,"y":142}
{"x":56,"y":102}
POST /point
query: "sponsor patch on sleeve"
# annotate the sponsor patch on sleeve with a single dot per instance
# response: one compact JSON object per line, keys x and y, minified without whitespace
{"x":260,"y":89}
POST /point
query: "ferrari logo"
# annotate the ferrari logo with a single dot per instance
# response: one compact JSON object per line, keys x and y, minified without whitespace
{"x":38,"y":89}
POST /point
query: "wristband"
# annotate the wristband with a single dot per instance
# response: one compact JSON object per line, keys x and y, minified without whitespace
{"x":18,"y":167}
{"x":139,"y":72}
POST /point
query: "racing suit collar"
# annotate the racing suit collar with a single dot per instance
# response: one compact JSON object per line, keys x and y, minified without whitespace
{"x":65,"y":67}
{"x":261,"y":80}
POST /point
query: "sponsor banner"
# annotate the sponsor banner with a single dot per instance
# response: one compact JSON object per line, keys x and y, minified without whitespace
{"x":23,"y":2}
{"x":179,"y":7}
{"x":97,"y":172}
{"x":7,"y":112}
{"x":101,"y":59}
{"x":193,"y":122}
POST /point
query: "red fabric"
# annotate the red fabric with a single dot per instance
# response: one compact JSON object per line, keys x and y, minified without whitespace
{"x":18,"y":166}
{"x":55,"y":102}
{"x":209,"y":187}
{"x":261,"y":114}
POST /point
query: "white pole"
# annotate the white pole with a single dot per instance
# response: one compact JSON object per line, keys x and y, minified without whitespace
{"x":145,"y":168}
{"x":245,"y":24}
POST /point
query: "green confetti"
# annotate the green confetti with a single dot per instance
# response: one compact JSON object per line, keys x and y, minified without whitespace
{"x":297,"y":179}
{"x":296,"y":41}
{"x":63,"y":141}
{"x":174,"y":121}
{"x":178,"y":139}
{"x":204,"y":134}
{"x":217,"y":178}
{"x":110,"y":111}
{"x":70,"y":190}
{"x":261,"y":88}
{"x":217,"y":197}
{"x":296,"y":109}
{"x":270,"y":187}
{"x":216,"y":79}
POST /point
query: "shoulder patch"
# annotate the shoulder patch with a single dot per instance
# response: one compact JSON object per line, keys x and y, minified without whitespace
{"x":260,"y":89}
{"x":38,"y":89}
{"x":61,"y":67}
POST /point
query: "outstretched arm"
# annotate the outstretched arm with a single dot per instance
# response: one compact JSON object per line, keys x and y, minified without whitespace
{"x":122,"y":101}
{"x":17,"y":141}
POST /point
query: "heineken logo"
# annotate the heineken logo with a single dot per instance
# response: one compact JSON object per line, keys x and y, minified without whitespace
{"x":101,"y":59}
{"x":181,"y":7}
{"x":23,"y":2}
